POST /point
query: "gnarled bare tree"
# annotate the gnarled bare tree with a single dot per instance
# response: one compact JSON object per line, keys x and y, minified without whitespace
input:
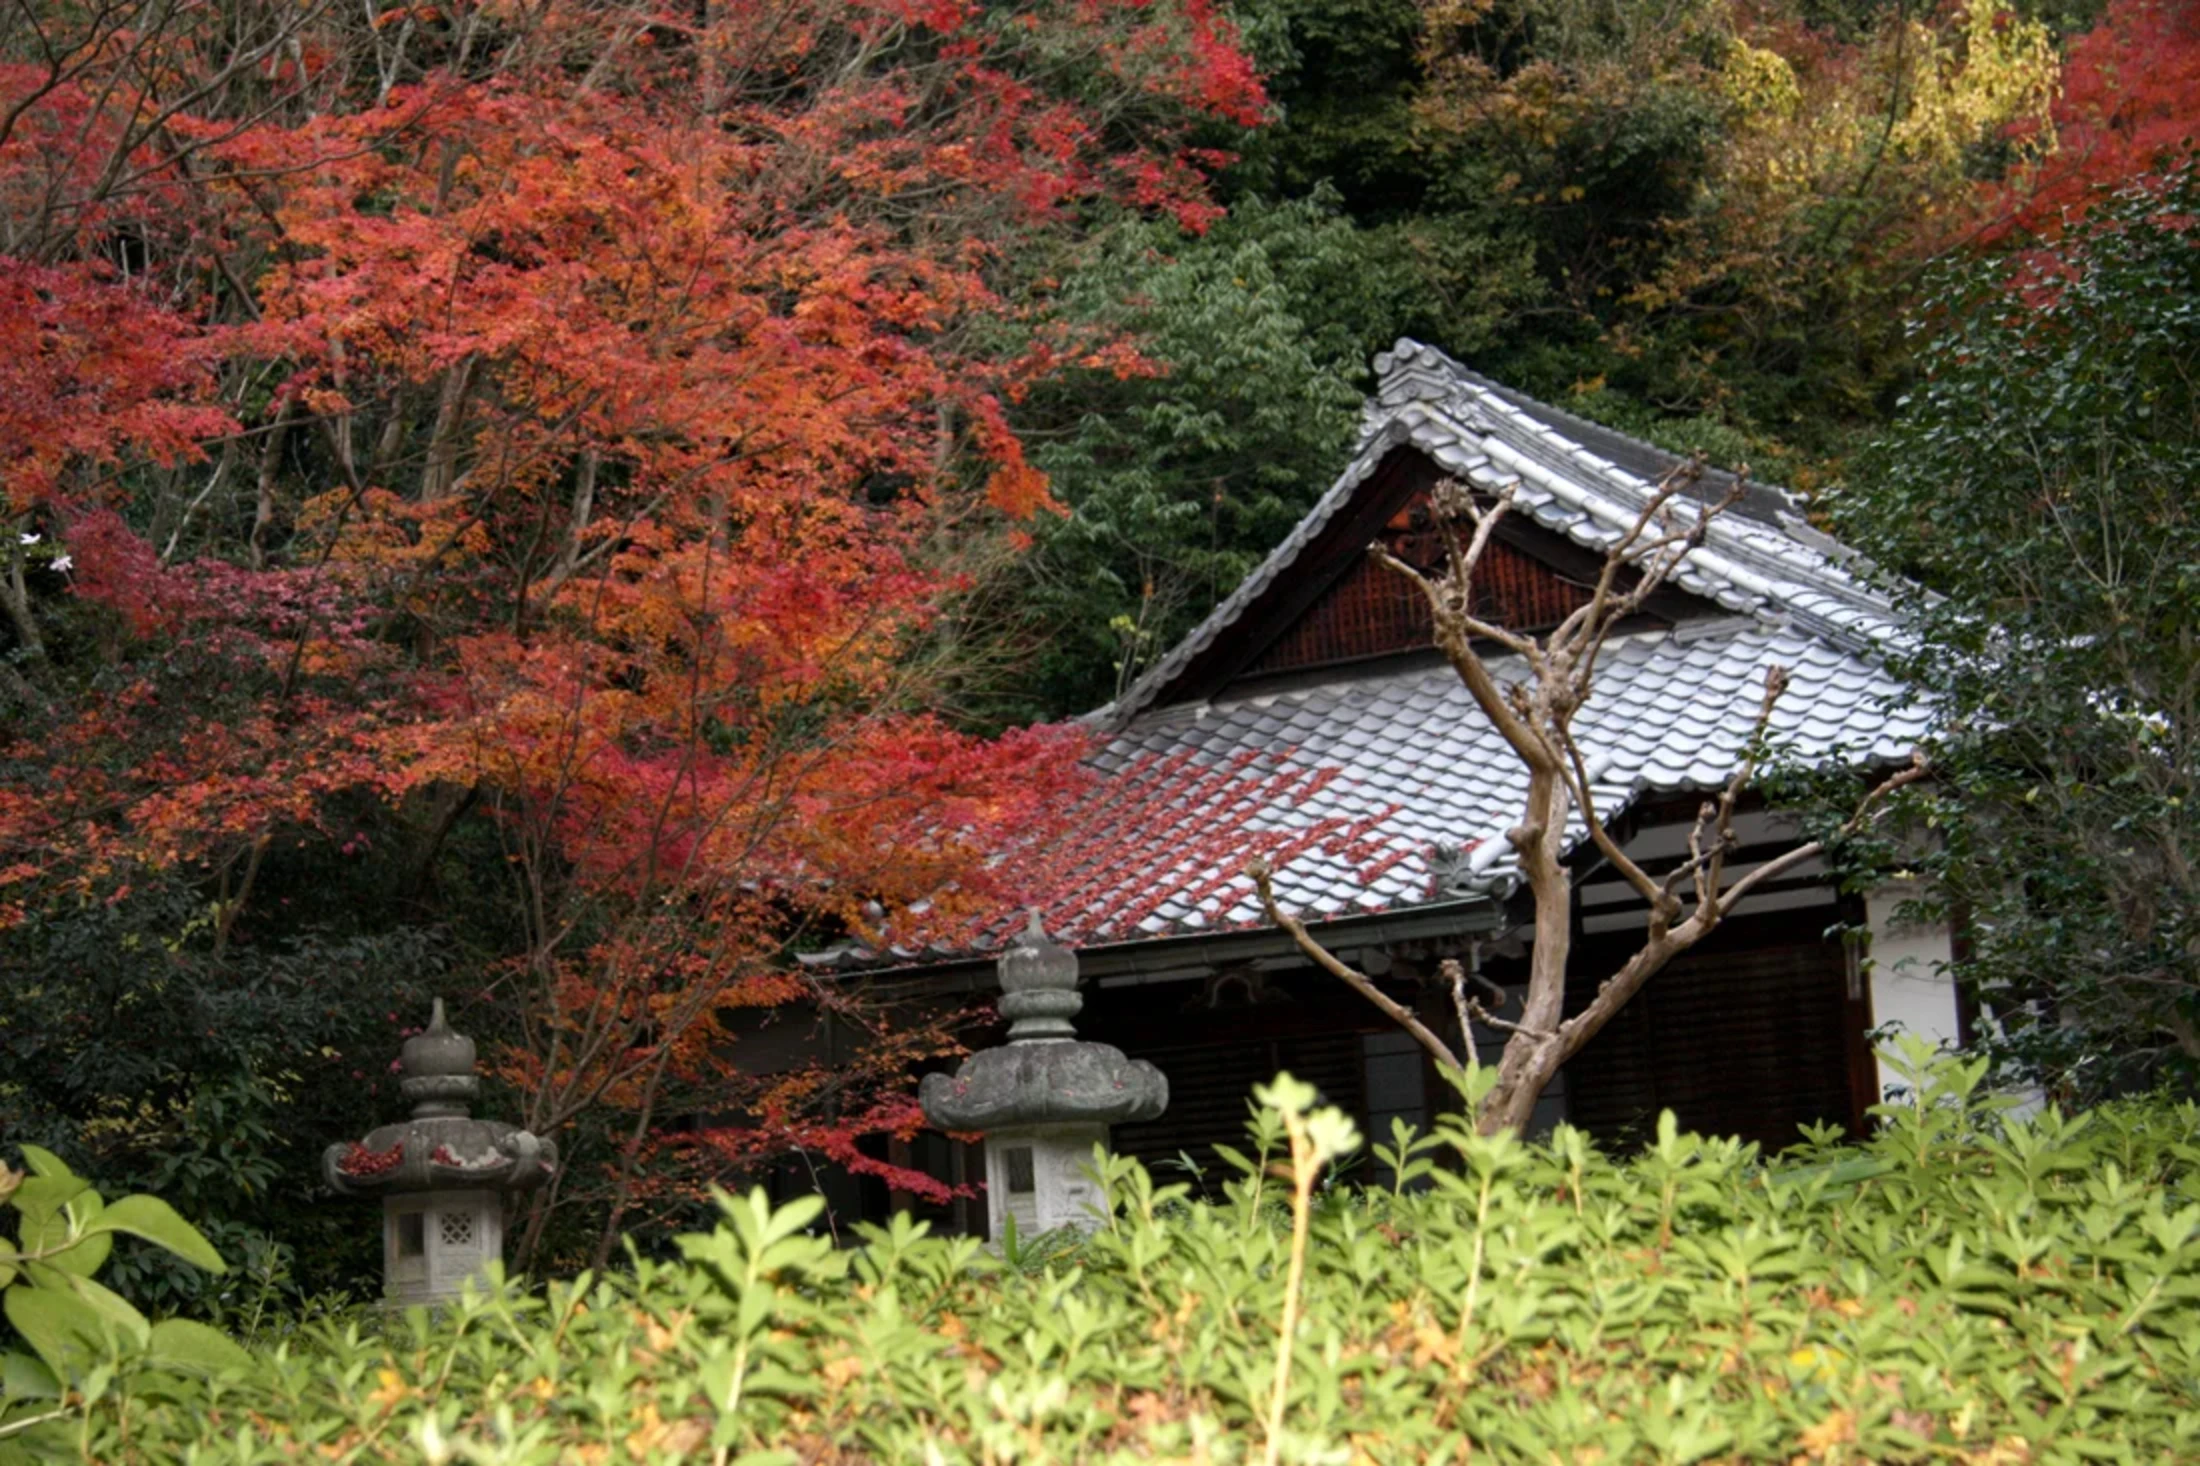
{"x":1535,"y":716}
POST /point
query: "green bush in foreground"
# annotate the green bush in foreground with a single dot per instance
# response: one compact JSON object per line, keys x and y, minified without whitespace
{"x":1966,"y":1286}
{"x":78,"y":1340}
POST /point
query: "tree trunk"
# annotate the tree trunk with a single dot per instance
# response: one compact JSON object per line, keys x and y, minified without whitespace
{"x":1532,"y":1055}
{"x":441,"y":472}
{"x":17,"y":594}
{"x":271,"y":463}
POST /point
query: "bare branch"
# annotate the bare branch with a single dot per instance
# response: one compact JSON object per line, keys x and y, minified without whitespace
{"x":1453,"y":631}
{"x":1576,"y":775}
{"x":1534,"y":714}
{"x":1452,"y":970}
{"x":1475,"y":1008}
{"x":1586,"y":617}
{"x":1437,"y":589}
{"x":1358,"y":981}
{"x":1454,"y":501}
{"x":1446,"y":606}
{"x":1773,"y":869}
{"x":1701,"y":862}
{"x":1613,"y":993}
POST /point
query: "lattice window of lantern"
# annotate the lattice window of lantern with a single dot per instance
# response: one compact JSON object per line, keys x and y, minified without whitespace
{"x":457,"y":1229}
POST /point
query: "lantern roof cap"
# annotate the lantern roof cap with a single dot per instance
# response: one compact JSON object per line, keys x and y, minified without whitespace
{"x":442,"y":1147}
{"x":1044,"y":1074}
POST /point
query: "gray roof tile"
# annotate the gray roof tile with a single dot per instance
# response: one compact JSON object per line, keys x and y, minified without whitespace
{"x":1673,"y":713}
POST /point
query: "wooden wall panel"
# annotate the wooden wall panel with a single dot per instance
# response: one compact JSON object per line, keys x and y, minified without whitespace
{"x":1374,"y":611}
{"x":1735,"y":1039}
{"x":1209,"y":1085}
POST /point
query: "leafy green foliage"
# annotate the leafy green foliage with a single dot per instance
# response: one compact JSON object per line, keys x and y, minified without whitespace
{"x":158,"y":1060}
{"x":1969,"y":1285}
{"x":1341,"y":76}
{"x":78,"y":1342}
{"x":2039,"y":483}
{"x":1179,"y":476}
{"x":1697,"y":221}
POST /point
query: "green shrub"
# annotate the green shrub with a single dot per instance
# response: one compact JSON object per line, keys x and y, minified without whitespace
{"x":71,"y":1344}
{"x":1968,"y":1285}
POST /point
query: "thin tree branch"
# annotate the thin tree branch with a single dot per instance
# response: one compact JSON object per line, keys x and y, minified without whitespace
{"x":1358,"y":981}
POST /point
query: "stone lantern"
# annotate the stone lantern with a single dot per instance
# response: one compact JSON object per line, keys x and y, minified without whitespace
{"x":442,"y":1175}
{"x":1044,"y":1098}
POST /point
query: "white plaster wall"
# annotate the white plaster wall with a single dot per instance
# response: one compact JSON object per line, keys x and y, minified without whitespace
{"x":1907,"y":966}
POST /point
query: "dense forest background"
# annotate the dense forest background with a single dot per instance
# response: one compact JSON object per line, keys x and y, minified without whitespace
{"x":1705,"y":222}
{"x":557,"y":506}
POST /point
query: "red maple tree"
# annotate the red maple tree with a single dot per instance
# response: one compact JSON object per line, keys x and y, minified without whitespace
{"x":545,"y":423}
{"x":2130,"y":97}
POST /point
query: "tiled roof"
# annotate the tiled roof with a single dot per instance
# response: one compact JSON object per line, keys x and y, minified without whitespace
{"x":1425,"y":779}
{"x":1763,"y":560}
{"x":1399,"y":765}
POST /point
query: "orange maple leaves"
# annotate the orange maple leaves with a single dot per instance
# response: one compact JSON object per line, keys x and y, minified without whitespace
{"x":596,"y":397}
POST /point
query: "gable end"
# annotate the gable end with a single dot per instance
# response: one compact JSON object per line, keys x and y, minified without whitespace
{"x":1373,"y":611}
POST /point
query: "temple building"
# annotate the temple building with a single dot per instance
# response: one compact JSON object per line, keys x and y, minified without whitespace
{"x":1309,"y":713}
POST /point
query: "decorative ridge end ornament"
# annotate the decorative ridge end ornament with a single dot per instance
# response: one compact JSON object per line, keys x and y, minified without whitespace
{"x":1045,"y":1098}
{"x":442,"y":1175}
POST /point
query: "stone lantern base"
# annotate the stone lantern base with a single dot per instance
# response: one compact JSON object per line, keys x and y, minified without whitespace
{"x":1042,"y":1176}
{"x":433,"y":1241}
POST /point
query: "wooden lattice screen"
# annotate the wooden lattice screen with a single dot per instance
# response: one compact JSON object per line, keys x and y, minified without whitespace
{"x":1373,"y":611}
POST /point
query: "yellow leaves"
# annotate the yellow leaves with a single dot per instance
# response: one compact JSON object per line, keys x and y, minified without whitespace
{"x":1456,"y":14}
{"x":662,"y":1338}
{"x":1415,"y":1334}
{"x":655,"y":1438}
{"x":1168,"y":1328}
{"x":1432,"y":1345}
{"x":1891,"y":119}
{"x":1998,"y":70}
{"x":1759,"y":80}
{"x":1817,"y":1359}
{"x":649,"y":1429}
{"x":390,"y":1389}
{"x":1819,"y":1440}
